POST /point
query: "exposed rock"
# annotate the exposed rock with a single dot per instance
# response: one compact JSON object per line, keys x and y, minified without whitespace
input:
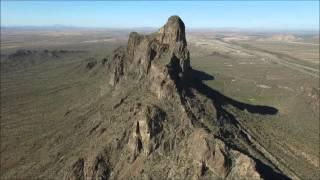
{"x":243,"y":167}
{"x":76,"y":172}
{"x":93,"y":168}
{"x":212,"y":154}
{"x":148,"y":125}
{"x":209,"y":152}
{"x":162,"y":58}
{"x":96,"y":168}
{"x":117,"y":66}
{"x":173,"y":34}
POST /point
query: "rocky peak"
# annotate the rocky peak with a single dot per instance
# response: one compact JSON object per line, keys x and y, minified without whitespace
{"x":173,"y":32}
{"x":171,"y":37}
{"x":161,"y":57}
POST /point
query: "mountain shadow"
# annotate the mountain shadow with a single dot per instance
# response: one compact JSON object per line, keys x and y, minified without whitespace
{"x":224,"y":117}
{"x":221,"y":100}
{"x":200,"y":75}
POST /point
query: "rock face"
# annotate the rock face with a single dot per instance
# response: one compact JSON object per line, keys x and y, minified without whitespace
{"x":146,"y":130}
{"x":170,"y":40}
{"x":212,"y":154}
{"x":161,"y":58}
{"x":94,"y":167}
{"x":117,"y":71}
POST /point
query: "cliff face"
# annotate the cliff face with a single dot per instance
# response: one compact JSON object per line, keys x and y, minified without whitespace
{"x":160,"y":58}
{"x":169,"y":130}
{"x":170,"y":40}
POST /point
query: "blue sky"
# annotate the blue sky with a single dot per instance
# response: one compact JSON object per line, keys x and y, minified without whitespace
{"x":195,"y":14}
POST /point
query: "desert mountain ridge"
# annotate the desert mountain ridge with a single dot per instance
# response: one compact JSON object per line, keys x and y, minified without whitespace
{"x":173,"y":125}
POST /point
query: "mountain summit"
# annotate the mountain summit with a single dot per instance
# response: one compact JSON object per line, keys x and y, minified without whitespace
{"x":161,"y":57}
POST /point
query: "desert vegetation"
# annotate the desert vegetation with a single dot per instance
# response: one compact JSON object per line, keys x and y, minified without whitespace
{"x":159,"y":104}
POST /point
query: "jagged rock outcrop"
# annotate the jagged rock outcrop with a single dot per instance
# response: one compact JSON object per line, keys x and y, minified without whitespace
{"x":161,"y":58}
{"x":146,"y":130}
{"x":118,"y":66}
{"x":76,"y":172}
{"x":212,"y":154}
{"x":175,"y":131}
{"x":170,"y":40}
{"x":93,"y":167}
{"x":208,"y":152}
{"x":96,"y":167}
